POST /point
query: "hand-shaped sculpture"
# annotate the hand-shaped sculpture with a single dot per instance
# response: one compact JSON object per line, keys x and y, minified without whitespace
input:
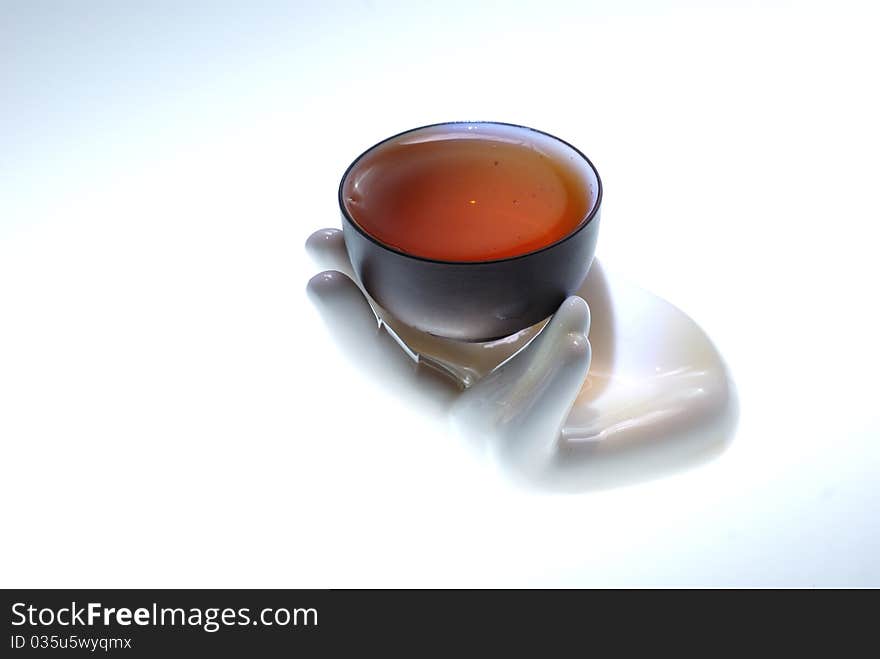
{"x":657,"y":398}
{"x":515,"y":392}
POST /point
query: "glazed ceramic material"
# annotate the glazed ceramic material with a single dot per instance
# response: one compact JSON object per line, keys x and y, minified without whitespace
{"x":480,"y":300}
{"x":646,"y":395}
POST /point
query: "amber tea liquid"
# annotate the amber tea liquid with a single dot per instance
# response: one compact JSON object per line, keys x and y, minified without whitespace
{"x":474,"y":192}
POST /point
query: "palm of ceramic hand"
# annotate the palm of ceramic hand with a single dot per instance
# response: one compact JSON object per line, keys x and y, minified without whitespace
{"x":518,"y":388}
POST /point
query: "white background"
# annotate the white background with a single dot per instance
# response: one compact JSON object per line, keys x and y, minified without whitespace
{"x":172,"y":412}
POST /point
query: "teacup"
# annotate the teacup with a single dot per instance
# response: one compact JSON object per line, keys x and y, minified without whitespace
{"x":471,"y":230}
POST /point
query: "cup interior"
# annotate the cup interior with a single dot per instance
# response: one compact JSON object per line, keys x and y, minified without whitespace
{"x":361,"y":174}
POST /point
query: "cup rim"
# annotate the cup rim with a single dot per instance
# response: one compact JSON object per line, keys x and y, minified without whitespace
{"x":594,"y":210}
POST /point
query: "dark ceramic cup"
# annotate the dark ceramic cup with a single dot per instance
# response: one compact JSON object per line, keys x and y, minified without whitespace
{"x":475,"y":300}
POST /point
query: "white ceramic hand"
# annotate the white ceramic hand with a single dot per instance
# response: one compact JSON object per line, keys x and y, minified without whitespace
{"x":517,"y":391}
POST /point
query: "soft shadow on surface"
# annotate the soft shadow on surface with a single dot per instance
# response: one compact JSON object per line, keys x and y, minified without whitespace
{"x":657,"y":399}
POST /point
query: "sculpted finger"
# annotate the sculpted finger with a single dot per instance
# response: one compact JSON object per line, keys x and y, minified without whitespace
{"x":522,"y":405}
{"x":327,"y":249}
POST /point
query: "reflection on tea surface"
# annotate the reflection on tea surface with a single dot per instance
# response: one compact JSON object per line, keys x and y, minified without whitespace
{"x":468,"y":192}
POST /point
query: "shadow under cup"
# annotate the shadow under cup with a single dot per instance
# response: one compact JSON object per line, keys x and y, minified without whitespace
{"x":474,"y":300}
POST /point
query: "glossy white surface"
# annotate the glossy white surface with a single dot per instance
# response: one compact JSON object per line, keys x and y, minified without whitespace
{"x":657,"y":396}
{"x":173,"y":411}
